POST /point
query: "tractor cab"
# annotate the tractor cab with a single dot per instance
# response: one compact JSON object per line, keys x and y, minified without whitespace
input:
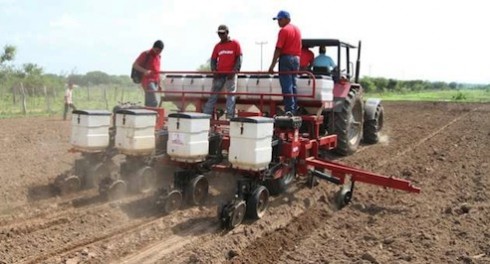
{"x":340,"y":52}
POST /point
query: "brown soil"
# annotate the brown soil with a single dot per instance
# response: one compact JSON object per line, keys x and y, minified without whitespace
{"x":444,"y":148}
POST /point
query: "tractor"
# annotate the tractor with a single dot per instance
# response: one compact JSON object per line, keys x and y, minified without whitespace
{"x":267,"y":148}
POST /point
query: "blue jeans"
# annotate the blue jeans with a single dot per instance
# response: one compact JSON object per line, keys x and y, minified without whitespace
{"x":150,"y":95}
{"x":288,"y":81}
{"x":218,"y":84}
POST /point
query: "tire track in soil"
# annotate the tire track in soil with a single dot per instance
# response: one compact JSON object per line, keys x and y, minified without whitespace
{"x":63,"y":213}
{"x":40,"y":208}
{"x":174,"y":231}
{"x":307,"y":222}
{"x":423,"y":140}
{"x":155,"y":252}
{"x":107,"y":236}
{"x":177,"y":249}
{"x":66,"y":218}
{"x":47,"y":209}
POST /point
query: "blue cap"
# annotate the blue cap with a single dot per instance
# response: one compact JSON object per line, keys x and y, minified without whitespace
{"x":282,"y":14}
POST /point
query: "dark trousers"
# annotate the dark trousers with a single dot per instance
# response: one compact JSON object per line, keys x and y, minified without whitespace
{"x":288,"y":81}
{"x":150,"y":95}
{"x":65,"y":112}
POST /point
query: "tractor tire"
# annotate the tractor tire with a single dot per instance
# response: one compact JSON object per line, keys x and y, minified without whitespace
{"x":373,"y":127}
{"x":348,"y":124}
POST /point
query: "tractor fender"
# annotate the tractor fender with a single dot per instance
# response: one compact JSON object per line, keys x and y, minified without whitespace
{"x":370,"y":107}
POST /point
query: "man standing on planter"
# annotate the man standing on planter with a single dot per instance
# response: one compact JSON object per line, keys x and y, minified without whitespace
{"x":287,"y":52}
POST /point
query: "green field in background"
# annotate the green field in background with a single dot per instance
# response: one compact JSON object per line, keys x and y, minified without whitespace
{"x":108,"y":97}
{"x":467,"y":95}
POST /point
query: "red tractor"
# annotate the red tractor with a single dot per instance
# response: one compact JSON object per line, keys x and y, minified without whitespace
{"x":270,"y":149}
{"x":265,"y":147}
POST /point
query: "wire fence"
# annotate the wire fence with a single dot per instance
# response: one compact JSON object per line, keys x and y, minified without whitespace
{"x":50,"y":101}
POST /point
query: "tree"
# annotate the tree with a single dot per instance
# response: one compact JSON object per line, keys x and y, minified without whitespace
{"x":368,"y":84}
{"x":8,"y":53}
{"x":205,"y":66}
{"x":97,"y":77}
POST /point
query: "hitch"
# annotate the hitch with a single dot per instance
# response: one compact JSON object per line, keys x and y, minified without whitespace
{"x":342,"y":171}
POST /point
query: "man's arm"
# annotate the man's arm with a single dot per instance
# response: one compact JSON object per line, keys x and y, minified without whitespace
{"x":277,"y":53}
{"x":238,"y":64}
{"x":214,"y":63}
{"x":139,"y":67}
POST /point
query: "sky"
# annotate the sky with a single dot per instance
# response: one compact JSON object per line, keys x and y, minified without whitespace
{"x":429,"y":40}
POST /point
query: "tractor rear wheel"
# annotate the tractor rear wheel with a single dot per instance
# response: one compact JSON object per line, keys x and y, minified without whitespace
{"x":348,"y":123}
{"x":373,"y":127}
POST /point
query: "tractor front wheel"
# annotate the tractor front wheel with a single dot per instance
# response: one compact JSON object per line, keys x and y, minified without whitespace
{"x":349,"y":124}
{"x":373,"y":127}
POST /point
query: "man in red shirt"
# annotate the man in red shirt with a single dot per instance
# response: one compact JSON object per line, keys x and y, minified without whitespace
{"x":287,"y":52}
{"x":226,"y":61}
{"x":148,"y":63}
{"x":306,"y":59}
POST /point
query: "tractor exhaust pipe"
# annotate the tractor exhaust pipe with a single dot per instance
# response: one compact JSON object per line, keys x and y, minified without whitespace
{"x":358,"y":62}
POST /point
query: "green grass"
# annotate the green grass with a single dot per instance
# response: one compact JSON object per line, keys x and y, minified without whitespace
{"x":93,"y":98}
{"x":467,"y":95}
{"x":83,"y":98}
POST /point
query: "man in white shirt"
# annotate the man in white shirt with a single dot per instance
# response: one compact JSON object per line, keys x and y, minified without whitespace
{"x":68,"y":100}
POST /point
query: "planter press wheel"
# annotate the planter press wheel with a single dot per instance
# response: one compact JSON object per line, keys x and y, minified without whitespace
{"x":95,"y":174}
{"x":232,"y":215}
{"x":117,"y":190}
{"x":343,"y":197}
{"x":197,"y":190}
{"x":172,"y":202}
{"x":146,"y":179}
{"x":70,"y":184}
{"x":258,"y":202}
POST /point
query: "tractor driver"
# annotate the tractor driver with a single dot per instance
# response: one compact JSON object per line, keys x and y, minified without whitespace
{"x":323,"y":61}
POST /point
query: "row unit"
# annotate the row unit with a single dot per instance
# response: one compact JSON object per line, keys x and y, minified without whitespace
{"x":188,"y":136}
{"x":250,"y":86}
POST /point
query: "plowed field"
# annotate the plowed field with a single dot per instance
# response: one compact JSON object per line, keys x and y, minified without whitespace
{"x":443,"y":148}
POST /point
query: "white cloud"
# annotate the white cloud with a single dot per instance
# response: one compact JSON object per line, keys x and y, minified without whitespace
{"x":65,"y":21}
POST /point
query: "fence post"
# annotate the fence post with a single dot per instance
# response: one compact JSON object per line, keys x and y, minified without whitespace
{"x":116,"y":90}
{"x":48,"y":101}
{"x":88,"y":93}
{"x":13,"y":94}
{"x":105,"y":98}
{"x":24,"y":99}
{"x":122,"y":95}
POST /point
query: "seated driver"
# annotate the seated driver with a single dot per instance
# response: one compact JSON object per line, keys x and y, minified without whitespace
{"x":323,"y":61}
